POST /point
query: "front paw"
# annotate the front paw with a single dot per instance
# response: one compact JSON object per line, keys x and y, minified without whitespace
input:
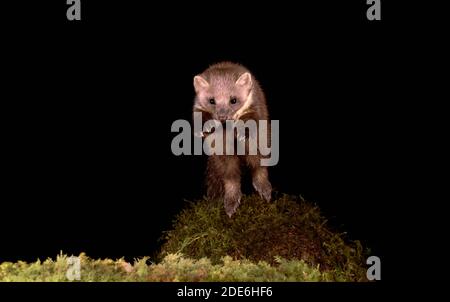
{"x":241,"y":137}
{"x":199,"y":134}
{"x":210,"y":125}
{"x":231,"y":204}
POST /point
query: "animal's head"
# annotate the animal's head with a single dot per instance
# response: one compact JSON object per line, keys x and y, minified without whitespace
{"x":224,"y":95}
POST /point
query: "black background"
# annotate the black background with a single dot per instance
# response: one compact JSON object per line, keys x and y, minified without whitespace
{"x":87,"y":165}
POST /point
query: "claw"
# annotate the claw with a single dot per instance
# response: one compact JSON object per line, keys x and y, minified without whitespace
{"x":208,"y":127}
{"x":264,"y":190}
{"x":199,"y":134}
{"x":231,"y":206}
{"x":241,"y":138}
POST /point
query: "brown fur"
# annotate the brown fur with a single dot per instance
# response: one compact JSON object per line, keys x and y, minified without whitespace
{"x":222,"y":82}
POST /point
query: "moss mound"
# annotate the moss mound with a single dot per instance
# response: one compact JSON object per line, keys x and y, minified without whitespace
{"x":287,"y":228}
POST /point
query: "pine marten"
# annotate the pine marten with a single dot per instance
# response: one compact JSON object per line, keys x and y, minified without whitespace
{"x":228,"y":91}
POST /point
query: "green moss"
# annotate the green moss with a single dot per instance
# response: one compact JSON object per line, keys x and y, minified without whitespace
{"x":289,"y":228}
{"x":174,"y":267}
{"x":285,"y":240}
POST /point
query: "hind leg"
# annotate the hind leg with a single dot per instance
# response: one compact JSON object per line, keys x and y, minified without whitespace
{"x":260,"y":177}
{"x":232,"y":184}
{"x":224,"y":180}
{"x":214,"y":183}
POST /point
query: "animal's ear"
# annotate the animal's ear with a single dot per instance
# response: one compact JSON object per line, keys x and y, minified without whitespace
{"x":200,"y":84}
{"x":245,"y":80}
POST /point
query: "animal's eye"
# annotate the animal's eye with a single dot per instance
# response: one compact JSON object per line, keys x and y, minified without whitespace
{"x":212,"y":101}
{"x":233,"y":101}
